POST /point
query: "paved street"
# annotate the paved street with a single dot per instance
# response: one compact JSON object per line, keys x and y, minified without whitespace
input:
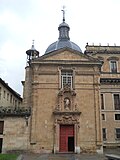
{"x":63,"y":157}
{"x":70,"y":156}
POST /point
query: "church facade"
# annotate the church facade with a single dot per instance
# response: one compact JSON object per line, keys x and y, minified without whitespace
{"x":71,"y":100}
{"x":63,"y":89}
{"x":65,"y":102}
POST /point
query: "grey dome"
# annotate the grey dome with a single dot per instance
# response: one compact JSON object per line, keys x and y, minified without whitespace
{"x":63,"y":40}
{"x":62,"y":44}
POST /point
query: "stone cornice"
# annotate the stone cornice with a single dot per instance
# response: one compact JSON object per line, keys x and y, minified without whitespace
{"x":101,"y":52}
{"x":66,"y":112}
{"x":67,"y":62}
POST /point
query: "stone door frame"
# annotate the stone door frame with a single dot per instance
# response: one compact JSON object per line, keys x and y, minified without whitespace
{"x":66,"y":119}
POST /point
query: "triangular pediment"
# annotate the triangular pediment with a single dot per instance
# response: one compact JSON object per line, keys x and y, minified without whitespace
{"x":67,"y":55}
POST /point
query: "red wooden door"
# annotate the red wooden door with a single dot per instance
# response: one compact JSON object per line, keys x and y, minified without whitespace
{"x":65,"y":132}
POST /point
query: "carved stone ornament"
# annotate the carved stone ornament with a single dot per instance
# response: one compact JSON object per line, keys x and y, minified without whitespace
{"x":57,"y":108}
{"x":66,"y":90}
{"x":67,"y":119}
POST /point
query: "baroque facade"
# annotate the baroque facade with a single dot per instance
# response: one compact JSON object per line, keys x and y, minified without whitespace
{"x":63,"y":89}
{"x":71,"y":100}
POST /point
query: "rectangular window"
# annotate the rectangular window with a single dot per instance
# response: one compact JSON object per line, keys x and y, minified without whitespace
{"x":18,"y":104}
{"x":113,"y":66}
{"x":117,"y":116}
{"x":102,"y":101}
{"x":103,"y":116}
{"x":1,"y":127}
{"x":15,"y":103}
{"x":7,"y":96}
{"x":11,"y":99}
{"x":116,"y":101}
{"x":104,"y":134}
{"x":66,"y":79}
{"x":4,"y":94}
{"x":117,"y":131}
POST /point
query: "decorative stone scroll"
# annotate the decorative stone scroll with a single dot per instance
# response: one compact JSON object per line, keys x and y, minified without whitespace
{"x":67,"y":119}
{"x":67,"y":89}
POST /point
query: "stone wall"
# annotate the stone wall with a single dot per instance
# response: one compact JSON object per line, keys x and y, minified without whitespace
{"x":15,"y":134}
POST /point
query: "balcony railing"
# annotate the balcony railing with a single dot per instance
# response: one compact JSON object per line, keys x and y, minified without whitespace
{"x":15,"y":111}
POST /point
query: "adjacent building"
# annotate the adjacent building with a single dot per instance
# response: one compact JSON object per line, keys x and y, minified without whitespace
{"x":109,"y":91}
{"x":13,"y":119}
{"x":8,"y":97}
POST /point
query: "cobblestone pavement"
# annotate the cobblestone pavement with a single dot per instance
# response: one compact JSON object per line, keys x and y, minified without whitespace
{"x":70,"y":156}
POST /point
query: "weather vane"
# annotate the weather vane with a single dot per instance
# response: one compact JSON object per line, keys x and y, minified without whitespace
{"x":63,"y":10}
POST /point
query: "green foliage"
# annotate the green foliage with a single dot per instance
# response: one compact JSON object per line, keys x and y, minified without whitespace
{"x":8,"y":156}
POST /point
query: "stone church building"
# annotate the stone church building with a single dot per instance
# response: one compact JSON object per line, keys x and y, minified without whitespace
{"x":63,"y":89}
{"x":73,"y":99}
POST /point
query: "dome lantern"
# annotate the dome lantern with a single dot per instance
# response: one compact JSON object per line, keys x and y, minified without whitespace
{"x":32,"y":53}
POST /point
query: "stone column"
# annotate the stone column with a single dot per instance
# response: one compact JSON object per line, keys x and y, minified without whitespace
{"x":56,"y":138}
{"x":97,"y":113}
{"x":77,"y":145}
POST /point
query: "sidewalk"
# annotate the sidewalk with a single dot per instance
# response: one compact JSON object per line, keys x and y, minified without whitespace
{"x":63,"y":157}
{"x":70,"y":156}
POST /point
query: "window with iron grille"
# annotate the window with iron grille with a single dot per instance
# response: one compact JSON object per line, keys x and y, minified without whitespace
{"x":104,"y":134}
{"x":66,"y":79}
{"x":116,"y":101}
{"x":117,"y":131}
{"x":113,"y":66}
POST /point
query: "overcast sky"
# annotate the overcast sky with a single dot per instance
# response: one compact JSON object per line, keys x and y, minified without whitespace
{"x":21,"y":21}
